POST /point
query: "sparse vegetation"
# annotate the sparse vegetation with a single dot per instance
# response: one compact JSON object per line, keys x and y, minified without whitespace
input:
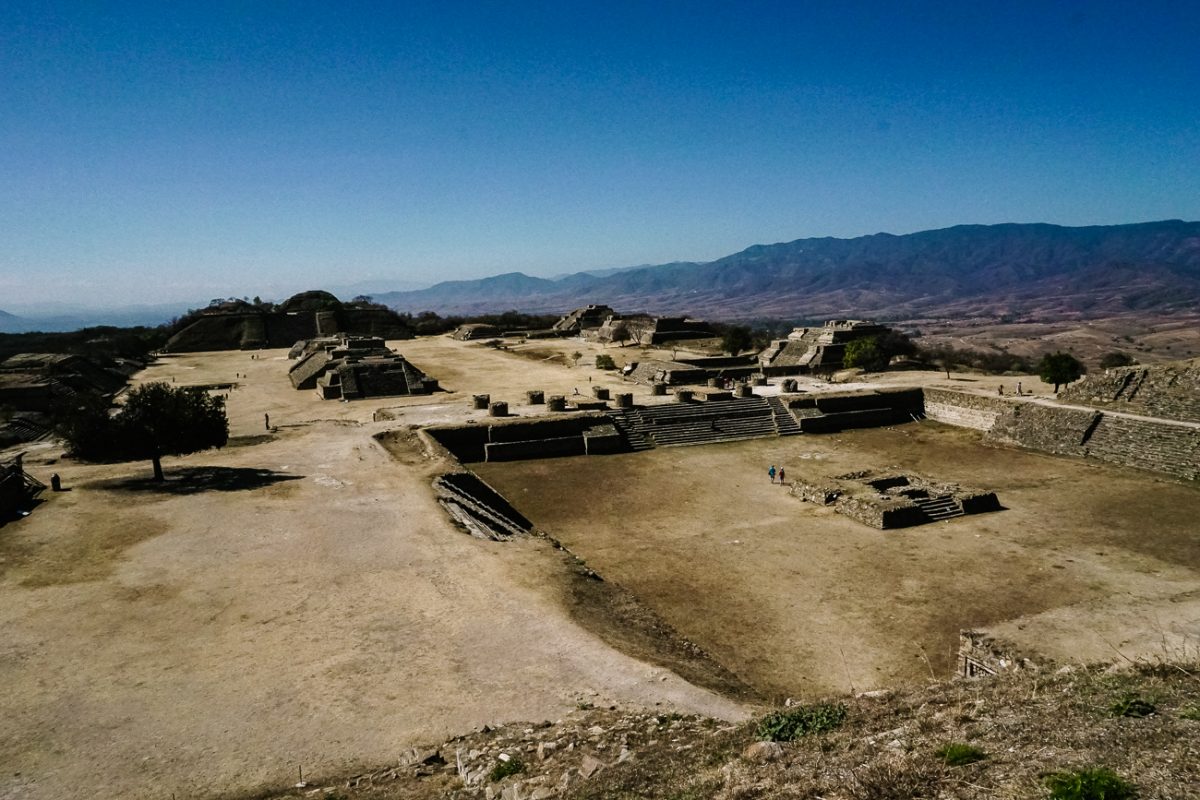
{"x":790,"y":724}
{"x":503,"y":769}
{"x":1116,"y":359}
{"x":1131,"y":705}
{"x":958,"y":754}
{"x":1096,"y":783}
{"x":605,"y":361}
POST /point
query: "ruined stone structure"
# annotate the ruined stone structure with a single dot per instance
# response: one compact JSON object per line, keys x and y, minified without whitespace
{"x":646,"y":330}
{"x":354,"y":368}
{"x":893,"y":500}
{"x":1159,"y":445}
{"x":544,"y":437}
{"x":981,"y":655}
{"x":18,"y":489}
{"x":582,"y":319}
{"x":709,"y":421}
{"x":871,"y":408}
{"x":688,"y":371}
{"x":816,"y":349}
{"x":479,"y":508}
{"x":31,"y":384}
{"x":304,"y":316}
{"x":1171,"y":391}
{"x":476,"y":330}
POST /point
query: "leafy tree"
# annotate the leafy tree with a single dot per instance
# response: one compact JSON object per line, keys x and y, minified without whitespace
{"x":605,"y":361}
{"x":620,"y":333}
{"x":1116,"y":359}
{"x":575,"y":358}
{"x":1059,"y":368}
{"x":736,"y":339}
{"x":866,"y":354}
{"x":156,"y":420}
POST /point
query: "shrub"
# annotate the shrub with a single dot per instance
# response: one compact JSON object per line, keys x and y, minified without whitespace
{"x":1116,"y":359}
{"x":505,"y":768}
{"x":605,"y":361}
{"x":790,"y":724}
{"x":1132,"y":706}
{"x":1096,"y":783}
{"x":957,"y":754}
{"x":1191,"y":712}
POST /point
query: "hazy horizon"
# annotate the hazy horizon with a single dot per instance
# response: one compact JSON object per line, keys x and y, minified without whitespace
{"x":158,"y":155}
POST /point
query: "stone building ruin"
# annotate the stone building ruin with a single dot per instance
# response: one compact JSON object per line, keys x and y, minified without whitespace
{"x":18,"y":489}
{"x":475,"y":330}
{"x":352,"y":368}
{"x":243,"y":326}
{"x":817,"y":349}
{"x":584,"y":318}
{"x":887,"y":500}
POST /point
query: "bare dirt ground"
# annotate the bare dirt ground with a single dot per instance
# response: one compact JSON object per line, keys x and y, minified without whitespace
{"x":800,"y":601}
{"x":297,"y":598}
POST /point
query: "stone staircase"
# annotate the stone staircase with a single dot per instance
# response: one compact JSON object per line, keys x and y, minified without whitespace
{"x":785,"y":423}
{"x":940,"y":508}
{"x":624,"y":422}
{"x":682,"y":424}
{"x":479,"y":508}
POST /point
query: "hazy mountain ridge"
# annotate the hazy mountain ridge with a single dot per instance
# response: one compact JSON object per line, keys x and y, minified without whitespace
{"x":1017,"y":267}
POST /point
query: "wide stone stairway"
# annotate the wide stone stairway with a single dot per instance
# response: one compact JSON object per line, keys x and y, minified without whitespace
{"x":680,"y":424}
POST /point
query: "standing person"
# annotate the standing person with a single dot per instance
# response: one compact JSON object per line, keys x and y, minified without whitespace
{"x":267,"y":421}
{"x":771,"y":472}
{"x":781,"y":476}
{"x":1019,"y":388}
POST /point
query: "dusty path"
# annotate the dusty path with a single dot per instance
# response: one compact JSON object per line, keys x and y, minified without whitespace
{"x":312,"y":606}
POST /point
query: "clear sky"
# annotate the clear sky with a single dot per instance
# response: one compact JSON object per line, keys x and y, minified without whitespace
{"x":166,"y":151}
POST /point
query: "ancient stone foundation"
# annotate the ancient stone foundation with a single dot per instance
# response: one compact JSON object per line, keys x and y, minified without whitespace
{"x":894,"y":500}
{"x":535,"y":398}
{"x":480,"y":401}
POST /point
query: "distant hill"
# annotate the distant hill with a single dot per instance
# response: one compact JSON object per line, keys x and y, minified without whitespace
{"x":11,"y":323}
{"x":1048,"y":270}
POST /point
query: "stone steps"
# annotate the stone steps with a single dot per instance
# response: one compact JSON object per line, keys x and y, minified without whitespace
{"x":940,"y":508}
{"x":785,"y":423}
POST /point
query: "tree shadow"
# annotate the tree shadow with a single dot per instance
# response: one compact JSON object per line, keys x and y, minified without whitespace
{"x":194,"y":480}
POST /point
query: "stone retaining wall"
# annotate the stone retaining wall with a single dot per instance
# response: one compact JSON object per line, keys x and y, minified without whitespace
{"x":963,"y":409}
{"x":1156,"y":446}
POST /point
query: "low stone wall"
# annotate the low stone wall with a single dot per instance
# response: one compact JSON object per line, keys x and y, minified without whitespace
{"x":963,"y":409}
{"x":1157,"y":446}
{"x":534,"y":448}
{"x":1050,"y":429}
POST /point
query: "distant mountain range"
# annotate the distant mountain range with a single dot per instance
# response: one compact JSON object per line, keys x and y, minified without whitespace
{"x":1048,"y":270}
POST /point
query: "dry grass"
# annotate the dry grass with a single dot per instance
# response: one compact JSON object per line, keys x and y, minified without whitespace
{"x":1031,"y":727}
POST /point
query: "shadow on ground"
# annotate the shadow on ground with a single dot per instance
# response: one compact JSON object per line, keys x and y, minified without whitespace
{"x":194,"y":480}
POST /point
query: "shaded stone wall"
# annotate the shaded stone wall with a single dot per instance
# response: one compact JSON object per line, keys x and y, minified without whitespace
{"x":1157,"y":446}
{"x":963,"y":409}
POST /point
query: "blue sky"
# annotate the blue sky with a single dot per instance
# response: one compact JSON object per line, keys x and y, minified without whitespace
{"x":154,"y":152}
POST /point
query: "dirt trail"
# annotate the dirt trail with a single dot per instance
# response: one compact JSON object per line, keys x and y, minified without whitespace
{"x":312,"y":606}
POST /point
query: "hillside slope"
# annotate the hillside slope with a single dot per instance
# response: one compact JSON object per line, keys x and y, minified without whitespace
{"x":968,"y":269}
{"x":1023,"y":730}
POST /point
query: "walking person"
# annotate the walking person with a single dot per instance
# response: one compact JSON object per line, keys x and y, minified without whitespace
{"x":771,"y":472}
{"x":781,"y":476}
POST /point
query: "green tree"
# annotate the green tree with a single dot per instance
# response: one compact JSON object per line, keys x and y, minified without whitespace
{"x":866,"y":354}
{"x":1059,"y":368}
{"x":605,"y":361}
{"x":1116,"y":359}
{"x":736,"y":339}
{"x":156,"y":420}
